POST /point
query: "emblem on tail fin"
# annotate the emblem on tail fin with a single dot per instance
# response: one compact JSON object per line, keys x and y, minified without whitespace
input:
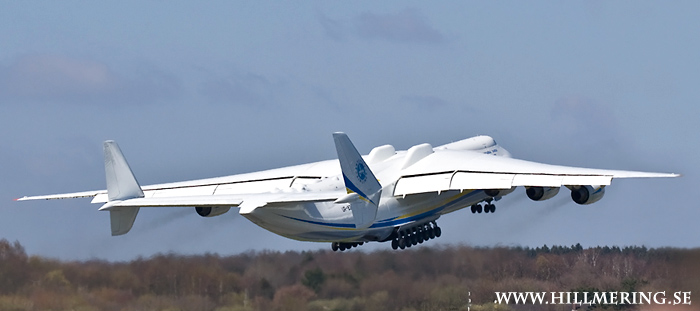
{"x":361,"y":171}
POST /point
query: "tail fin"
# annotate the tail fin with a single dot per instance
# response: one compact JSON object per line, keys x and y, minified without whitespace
{"x":121,"y":185}
{"x":358,"y":179}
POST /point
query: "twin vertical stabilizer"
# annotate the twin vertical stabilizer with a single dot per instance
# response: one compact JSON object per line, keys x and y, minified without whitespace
{"x":121,"y":185}
{"x":359,"y":180}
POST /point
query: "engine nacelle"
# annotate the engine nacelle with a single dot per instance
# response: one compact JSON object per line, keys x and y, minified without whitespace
{"x":587,"y":194}
{"x":541,"y":193}
{"x":498,"y":192}
{"x":211,"y":211}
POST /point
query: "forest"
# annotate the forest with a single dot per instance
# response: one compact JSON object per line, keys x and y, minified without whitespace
{"x":422,"y":278}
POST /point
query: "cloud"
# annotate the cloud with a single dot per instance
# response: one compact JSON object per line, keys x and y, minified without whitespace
{"x":332,"y":28}
{"x":585,"y":122}
{"x":238,"y":88}
{"x":579,"y":115}
{"x":407,"y":26}
{"x":63,"y":79}
{"x":428,"y":103}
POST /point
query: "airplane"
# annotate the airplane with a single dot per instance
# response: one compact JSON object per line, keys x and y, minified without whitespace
{"x":387,"y":195}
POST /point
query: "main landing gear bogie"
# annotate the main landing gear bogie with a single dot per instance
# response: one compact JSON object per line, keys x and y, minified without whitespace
{"x":486,"y":208}
{"x":416,"y":235}
{"x":342,"y":246}
{"x":405,"y":238}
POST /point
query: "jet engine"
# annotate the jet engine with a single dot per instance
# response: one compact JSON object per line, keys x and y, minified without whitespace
{"x":541,"y":193}
{"x":587,"y":194}
{"x":211,"y":211}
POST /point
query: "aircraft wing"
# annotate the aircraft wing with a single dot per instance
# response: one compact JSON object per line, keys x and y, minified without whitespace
{"x":252,"y":201}
{"x":222,"y":187}
{"x":459,"y":170}
{"x":73,"y":195}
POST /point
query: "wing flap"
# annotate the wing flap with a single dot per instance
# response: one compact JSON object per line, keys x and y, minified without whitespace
{"x":586,"y":180}
{"x":185,"y":191}
{"x":191,"y":201}
{"x":542,"y":180}
{"x":470,"y":180}
{"x":422,"y":184}
{"x":538,"y":180}
{"x":257,"y":200}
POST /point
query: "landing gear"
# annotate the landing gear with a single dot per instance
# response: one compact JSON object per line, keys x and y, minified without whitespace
{"x":416,"y":235}
{"x":341,"y":246}
{"x":403,"y":239}
{"x":486,"y":208}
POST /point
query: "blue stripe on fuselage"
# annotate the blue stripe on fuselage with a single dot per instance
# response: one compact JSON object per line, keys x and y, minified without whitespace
{"x":328,"y":224}
{"x":390,"y":222}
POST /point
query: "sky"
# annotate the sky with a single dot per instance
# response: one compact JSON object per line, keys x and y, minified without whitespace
{"x":193,"y":90}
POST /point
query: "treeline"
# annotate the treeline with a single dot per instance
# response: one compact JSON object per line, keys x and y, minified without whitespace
{"x":422,"y":278}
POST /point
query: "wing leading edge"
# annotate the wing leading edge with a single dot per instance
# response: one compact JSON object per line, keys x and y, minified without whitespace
{"x":481,"y":171}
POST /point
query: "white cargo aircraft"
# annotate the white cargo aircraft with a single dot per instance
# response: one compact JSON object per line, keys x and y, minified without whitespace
{"x":387,"y":195}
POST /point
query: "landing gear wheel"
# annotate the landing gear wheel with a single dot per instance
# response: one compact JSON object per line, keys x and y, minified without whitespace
{"x":334,"y":246}
{"x":394,"y":244}
{"x":479,"y":209}
{"x":438,"y":232}
{"x":402,"y":243}
{"x":431,"y":232}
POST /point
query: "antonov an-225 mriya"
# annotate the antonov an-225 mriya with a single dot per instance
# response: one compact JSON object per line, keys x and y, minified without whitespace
{"x":387,"y":195}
